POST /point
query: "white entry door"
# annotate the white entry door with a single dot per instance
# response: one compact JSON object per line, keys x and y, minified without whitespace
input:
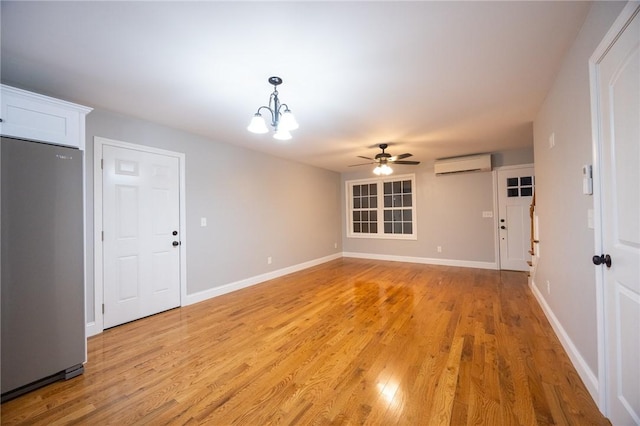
{"x":617,"y":76}
{"x":141,"y":242}
{"x":515,"y":193}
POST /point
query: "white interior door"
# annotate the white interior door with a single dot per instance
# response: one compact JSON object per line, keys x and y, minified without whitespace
{"x":141,"y":218}
{"x":617,"y":76}
{"x":515,"y":193}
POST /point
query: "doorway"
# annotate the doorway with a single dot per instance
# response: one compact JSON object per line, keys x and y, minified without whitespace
{"x":139,"y":216}
{"x":515,"y":187}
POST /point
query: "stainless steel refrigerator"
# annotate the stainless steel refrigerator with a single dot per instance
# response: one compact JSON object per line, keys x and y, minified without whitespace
{"x":42,"y":251}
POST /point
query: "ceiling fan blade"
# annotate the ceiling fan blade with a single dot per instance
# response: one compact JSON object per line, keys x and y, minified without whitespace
{"x":400,"y":157}
{"x":406,"y":162}
{"x":366,"y":158}
{"x":361,"y":164}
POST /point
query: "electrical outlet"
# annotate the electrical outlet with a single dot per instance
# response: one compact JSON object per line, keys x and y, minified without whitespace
{"x":335,"y":245}
{"x":269,"y":260}
{"x":487,"y":214}
{"x":203,"y":221}
{"x":439,"y":248}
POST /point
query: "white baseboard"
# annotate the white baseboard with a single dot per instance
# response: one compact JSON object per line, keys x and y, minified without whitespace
{"x":425,"y":260}
{"x":248,"y":282}
{"x":589,"y":378}
{"x":92,"y":329}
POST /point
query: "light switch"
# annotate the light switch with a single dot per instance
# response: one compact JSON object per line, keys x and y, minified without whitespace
{"x":587,"y":179}
{"x":203,"y":221}
{"x":487,"y":214}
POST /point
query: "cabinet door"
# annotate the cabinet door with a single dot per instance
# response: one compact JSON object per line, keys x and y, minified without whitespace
{"x":35,"y":117}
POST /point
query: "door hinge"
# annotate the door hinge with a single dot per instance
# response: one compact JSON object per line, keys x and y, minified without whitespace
{"x":102,"y":235}
{"x":102,"y":163}
{"x":103,"y":309}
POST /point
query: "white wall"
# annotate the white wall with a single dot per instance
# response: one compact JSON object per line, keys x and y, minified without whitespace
{"x":449,"y":214}
{"x":256,"y":205}
{"x":566,"y":242}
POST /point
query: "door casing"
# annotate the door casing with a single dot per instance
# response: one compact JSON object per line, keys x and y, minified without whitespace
{"x":625,"y":17}
{"x":97,"y":325}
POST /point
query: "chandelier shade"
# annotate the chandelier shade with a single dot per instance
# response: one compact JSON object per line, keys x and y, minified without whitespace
{"x":282,"y":119}
{"x":258,"y":125}
{"x":288,"y":121}
{"x":282,"y":135}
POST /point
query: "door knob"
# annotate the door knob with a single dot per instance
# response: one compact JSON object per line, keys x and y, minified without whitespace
{"x":174,"y":233}
{"x":175,"y":243}
{"x":503,"y":227}
{"x":603,"y":258}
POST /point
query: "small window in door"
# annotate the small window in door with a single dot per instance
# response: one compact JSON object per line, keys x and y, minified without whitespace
{"x":520,"y":186}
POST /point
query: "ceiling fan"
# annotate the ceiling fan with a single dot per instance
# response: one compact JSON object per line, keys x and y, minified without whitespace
{"x":383,"y":159}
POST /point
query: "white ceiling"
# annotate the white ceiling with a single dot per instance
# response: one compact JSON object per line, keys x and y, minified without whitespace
{"x":437,"y":79}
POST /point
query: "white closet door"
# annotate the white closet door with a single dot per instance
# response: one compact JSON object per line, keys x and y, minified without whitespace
{"x":141,"y":217}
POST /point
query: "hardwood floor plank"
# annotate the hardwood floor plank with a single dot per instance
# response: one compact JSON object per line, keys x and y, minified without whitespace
{"x":446,"y":386}
{"x":352,"y":341}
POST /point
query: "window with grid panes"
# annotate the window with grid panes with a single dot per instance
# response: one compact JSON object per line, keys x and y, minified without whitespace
{"x":365,"y":208}
{"x":398,"y":207}
{"x":381,"y":207}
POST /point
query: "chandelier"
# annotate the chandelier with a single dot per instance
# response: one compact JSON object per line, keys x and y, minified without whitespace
{"x":282,"y":119}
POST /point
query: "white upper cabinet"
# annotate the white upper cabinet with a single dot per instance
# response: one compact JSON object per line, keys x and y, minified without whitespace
{"x":27,"y":115}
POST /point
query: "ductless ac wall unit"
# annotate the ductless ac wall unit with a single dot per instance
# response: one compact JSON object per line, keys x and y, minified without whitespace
{"x":469,"y":163}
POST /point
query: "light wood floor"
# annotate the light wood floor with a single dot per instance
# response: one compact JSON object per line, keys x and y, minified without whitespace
{"x":348,"y":342}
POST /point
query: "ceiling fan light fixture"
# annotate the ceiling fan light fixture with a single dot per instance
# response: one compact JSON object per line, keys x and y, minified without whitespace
{"x":282,"y":119}
{"x":383,"y":159}
{"x":257,"y":124}
{"x":383,"y":169}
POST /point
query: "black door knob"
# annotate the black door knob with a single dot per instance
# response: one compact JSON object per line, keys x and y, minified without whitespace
{"x":503,"y":227}
{"x":175,"y":232}
{"x":175,"y":243}
{"x":602,"y":259}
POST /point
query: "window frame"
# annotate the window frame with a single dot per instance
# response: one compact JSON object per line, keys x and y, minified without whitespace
{"x":380,"y":181}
